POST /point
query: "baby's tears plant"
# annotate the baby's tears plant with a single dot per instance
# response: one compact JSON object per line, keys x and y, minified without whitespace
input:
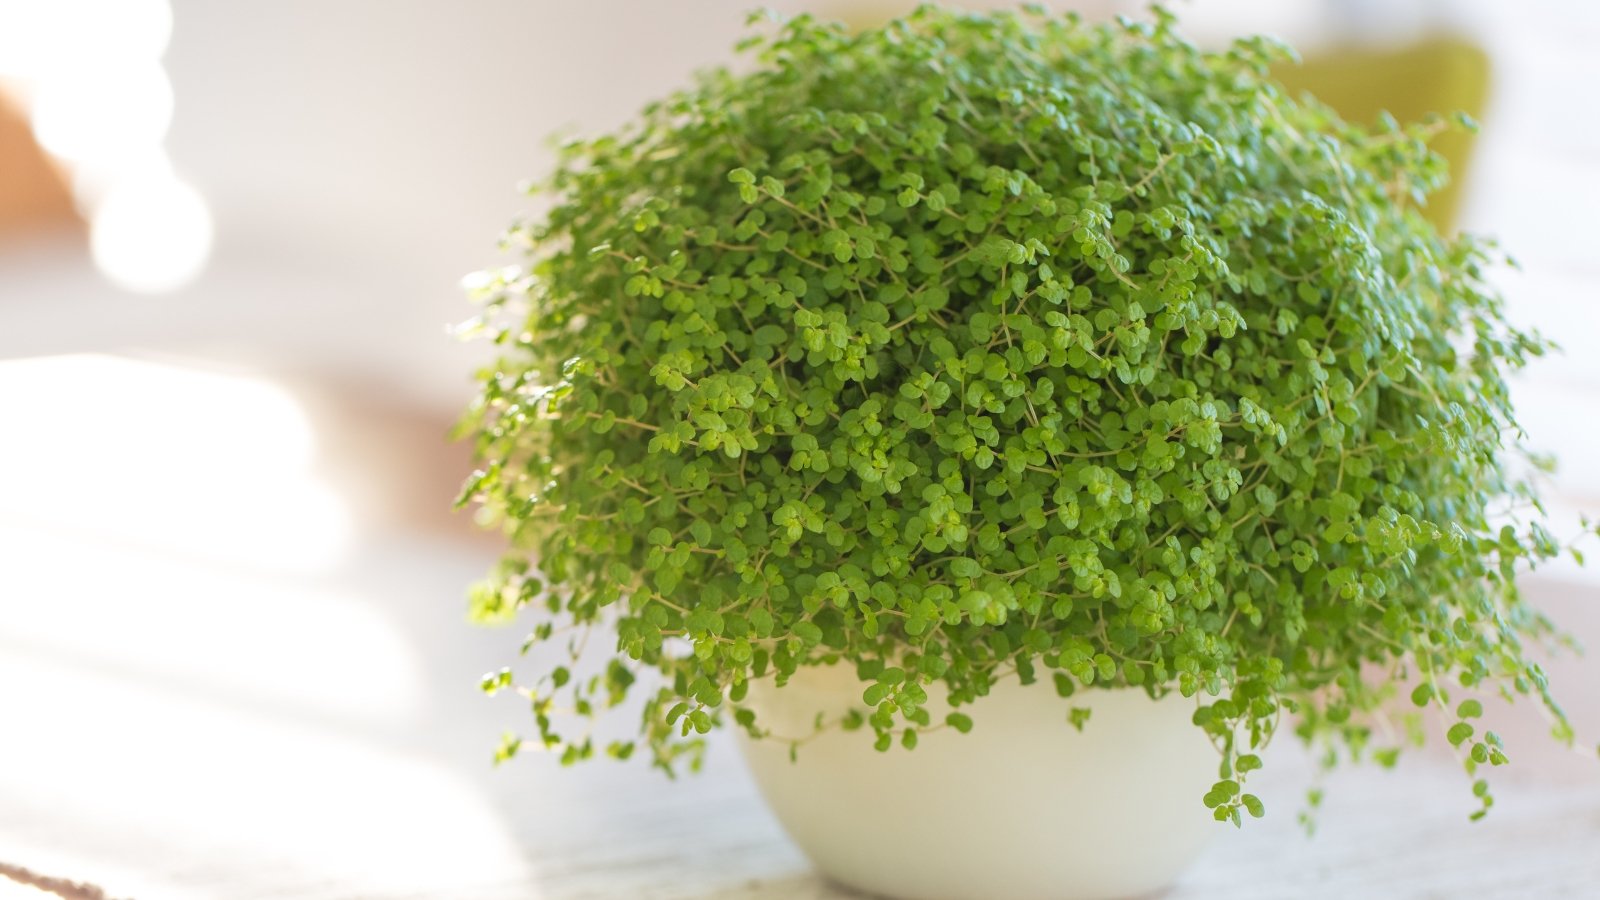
{"x":987,"y":346}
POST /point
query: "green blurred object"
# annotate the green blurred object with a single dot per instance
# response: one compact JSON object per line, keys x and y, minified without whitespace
{"x":1442,"y":75}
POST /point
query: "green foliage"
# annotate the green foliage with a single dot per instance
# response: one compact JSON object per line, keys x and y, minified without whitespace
{"x":991,"y":345}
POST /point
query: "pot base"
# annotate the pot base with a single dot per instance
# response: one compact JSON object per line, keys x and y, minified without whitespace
{"x":1025,"y":807}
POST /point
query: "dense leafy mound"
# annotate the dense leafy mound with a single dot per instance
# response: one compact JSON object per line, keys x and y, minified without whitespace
{"x":992,"y":345}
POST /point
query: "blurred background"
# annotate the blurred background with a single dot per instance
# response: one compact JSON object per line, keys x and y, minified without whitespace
{"x":233,"y":652}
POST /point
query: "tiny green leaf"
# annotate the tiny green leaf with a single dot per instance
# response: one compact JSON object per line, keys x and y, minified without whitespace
{"x":1254,"y":805}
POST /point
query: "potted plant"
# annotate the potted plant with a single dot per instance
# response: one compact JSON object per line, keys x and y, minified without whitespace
{"x":995,"y":373}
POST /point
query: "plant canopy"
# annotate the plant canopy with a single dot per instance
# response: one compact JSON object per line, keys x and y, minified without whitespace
{"x":982,"y":346}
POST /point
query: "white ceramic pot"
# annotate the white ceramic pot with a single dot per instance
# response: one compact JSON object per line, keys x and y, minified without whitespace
{"x":1024,"y":807}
